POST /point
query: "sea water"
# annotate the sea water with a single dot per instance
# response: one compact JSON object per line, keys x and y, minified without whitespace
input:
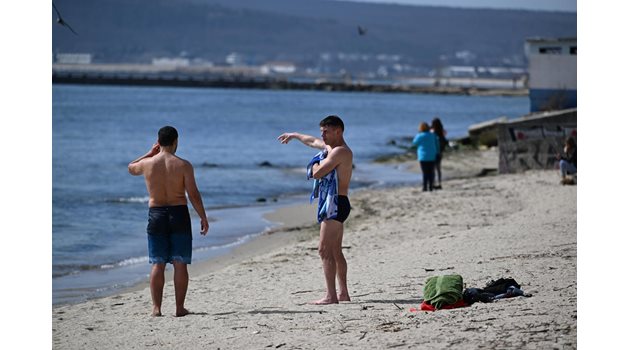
{"x":230,"y":137}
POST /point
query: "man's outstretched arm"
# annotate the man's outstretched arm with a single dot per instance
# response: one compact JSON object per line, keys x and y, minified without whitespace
{"x":195,"y":197}
{"x":135,"y":167}
{"x":308,"y":140}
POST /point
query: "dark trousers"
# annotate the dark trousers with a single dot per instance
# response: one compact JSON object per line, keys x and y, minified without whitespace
{"x":438,"y":168}
{"x":428,"y":174}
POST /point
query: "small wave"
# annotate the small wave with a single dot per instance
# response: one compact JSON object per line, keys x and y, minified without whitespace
{"x":129,"y":200}
{"x":127,"y":262}
{"x":239,"y":241}
{"x":64,"y":270}
{"x":72,"y":269}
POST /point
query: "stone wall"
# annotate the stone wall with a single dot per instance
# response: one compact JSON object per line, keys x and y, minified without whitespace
{"x":532,"y":142}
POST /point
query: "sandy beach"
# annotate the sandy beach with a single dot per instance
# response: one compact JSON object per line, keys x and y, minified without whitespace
{"x":522,"y":226}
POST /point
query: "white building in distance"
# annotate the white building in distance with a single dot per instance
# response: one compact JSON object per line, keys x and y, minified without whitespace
{"x":73,"y":58}
{"x":278,"y":67}
{"x":171,"y":62}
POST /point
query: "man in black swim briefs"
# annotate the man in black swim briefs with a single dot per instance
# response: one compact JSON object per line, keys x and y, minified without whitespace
{"x":168,"y":179}
{"x":331,"y":230}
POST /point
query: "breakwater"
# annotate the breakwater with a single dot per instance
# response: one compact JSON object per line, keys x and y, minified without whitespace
{"x":242,"y":81}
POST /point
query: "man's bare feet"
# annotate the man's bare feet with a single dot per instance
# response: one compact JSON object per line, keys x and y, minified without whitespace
{"x":156,"y":312}
{"x":182,"y":312}
{"x":344,"y":297}
{"x":324,"y":301}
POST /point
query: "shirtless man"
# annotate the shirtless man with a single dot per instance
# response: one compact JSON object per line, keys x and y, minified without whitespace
{"x":331,"y":230}
{"x":168,"y":179}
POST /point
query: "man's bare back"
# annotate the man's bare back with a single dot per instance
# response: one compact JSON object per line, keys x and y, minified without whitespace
{"x":168,"y":179}
{"x":164,"y":175}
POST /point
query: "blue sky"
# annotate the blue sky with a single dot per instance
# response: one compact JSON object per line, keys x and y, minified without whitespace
{"x":545,"y":5}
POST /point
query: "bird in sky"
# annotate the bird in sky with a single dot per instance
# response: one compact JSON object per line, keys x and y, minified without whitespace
{"x":61,"y":21}
{"x":362,"y":31}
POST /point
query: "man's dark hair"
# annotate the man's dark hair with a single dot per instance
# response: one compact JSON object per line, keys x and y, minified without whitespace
{"x":167,"y":135}
{"x":332,"y":120}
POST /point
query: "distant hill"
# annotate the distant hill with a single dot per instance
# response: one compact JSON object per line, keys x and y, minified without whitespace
{"x":301,"y":31}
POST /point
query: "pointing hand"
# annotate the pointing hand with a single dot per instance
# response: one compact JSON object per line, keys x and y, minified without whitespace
{"x":285,"y":138}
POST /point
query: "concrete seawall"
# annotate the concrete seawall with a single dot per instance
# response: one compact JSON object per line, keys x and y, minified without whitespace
{"x":532,"y":142}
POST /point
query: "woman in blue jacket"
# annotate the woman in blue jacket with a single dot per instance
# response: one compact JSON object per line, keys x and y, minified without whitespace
{"x":427,"y":144}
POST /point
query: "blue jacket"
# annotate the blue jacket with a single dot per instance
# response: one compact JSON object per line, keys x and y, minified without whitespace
{"x":428,"y":146}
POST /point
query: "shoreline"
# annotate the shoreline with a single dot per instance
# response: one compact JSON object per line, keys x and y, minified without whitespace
{"x":297,"y":217}
{"x":269,"y":220}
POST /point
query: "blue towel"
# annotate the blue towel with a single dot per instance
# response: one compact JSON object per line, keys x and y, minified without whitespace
{"x":324,"y":188}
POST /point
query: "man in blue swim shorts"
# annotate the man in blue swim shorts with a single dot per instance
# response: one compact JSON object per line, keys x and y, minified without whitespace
{"x":168,"y":179}
{"x":337,"y":163}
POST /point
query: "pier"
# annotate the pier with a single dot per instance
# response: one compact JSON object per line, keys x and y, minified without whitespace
{"x":248,"y":78}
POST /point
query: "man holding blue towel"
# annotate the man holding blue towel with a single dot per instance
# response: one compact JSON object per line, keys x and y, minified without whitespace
{"x":332,"y":169}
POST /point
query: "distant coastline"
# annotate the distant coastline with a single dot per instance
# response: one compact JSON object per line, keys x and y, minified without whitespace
{"x":138,"y":75}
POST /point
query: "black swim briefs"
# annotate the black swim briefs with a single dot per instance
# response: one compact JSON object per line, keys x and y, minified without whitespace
{"x":343,"y":208}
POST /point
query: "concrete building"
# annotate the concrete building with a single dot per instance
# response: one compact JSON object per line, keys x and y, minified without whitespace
{"x":73,"y":58}
{"x":278,"y":67}
{"x":235,"y":59}
{"x":552,"y":73}
{"x":478,"y":72}
{"x":171,"y":62}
